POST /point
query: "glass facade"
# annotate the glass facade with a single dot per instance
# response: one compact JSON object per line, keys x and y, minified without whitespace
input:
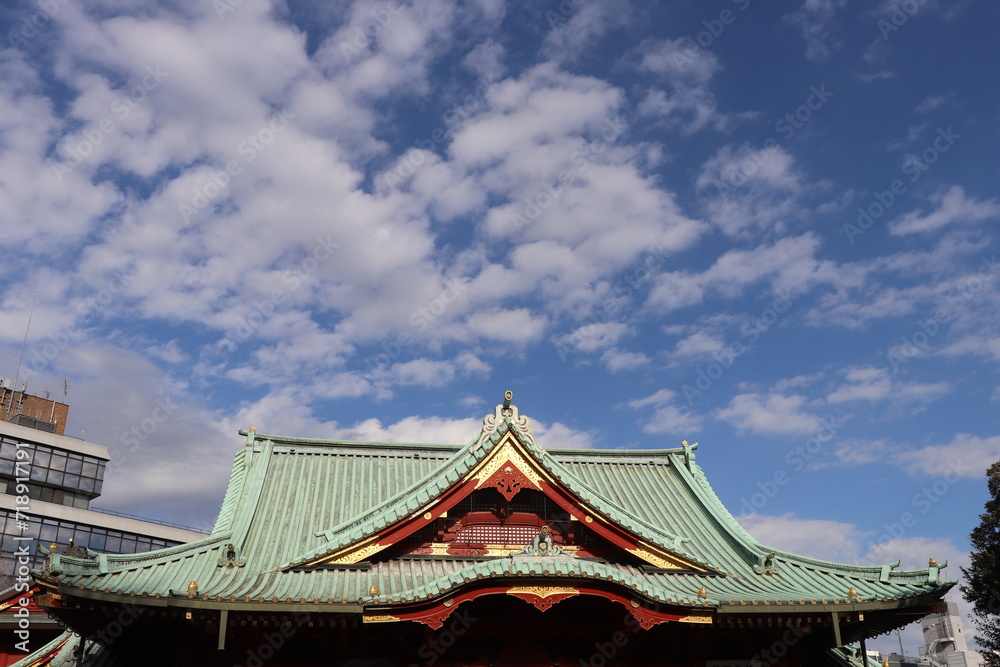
{"x":65,"y":477}
{"x":56,"y":475}
{"x":44,"y":531}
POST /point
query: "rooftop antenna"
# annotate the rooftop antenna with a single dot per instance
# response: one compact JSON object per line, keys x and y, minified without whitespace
{"x":24,"y":344}
{"x":65,"y":388}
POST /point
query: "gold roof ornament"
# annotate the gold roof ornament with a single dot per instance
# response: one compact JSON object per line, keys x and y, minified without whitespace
{"x":932,"y":562}
{"x":703,"y":592}
{"x":853,"y":592}
{"x":373,"y":591}
{"x":193,"y":586}
{"x":53,"y":547}
{"x":253,"y":428}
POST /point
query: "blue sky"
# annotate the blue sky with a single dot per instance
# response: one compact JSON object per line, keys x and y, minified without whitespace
{"x":769,"y":228}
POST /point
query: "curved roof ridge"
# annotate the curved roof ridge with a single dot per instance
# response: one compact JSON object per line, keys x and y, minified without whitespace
{"x":237,"y":477}
{"x":334,"y":442}
{"x":116,"y":563}
{"x":874,"y":570}
{"x":576,"y":485}
{"x":248,"y":498}
{"x":696,"y":480}
{"x":419,"y":493}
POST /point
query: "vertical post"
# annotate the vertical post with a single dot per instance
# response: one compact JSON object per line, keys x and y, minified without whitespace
{"x":835,"y":617}
{"x":223,"y":622}
{"x":864,"y":653}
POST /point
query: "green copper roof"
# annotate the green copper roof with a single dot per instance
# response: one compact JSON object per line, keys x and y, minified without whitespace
{"x":291,"y":500}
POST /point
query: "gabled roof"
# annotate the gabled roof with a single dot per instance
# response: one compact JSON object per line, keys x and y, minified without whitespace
{"x":301,"y":514}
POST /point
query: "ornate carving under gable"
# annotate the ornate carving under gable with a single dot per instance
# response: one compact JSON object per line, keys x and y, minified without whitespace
{"x":508,"y":480}
{"x":504,"y":464}
{"x":542,"y":597}
{"x":541,"y":546}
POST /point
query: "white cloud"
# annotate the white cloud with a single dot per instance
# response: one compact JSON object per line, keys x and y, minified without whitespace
{"x":816,"y":20}
{"x":774,"y":413}
{"x":818,"y":538}
{"x":964,"y":456}
{"x":439,"y":430}
{"x":517,"y":326}
{"x":486,"y":60}
{"x":746,"y":189}
{"x":686,"y":102}
{"x":593,"y":337}
{"x":789,"y":265}
{"x":618,"y":360}
{"x":698,"y":344}
{"x":666,"y":417}
{"x":869,"y":383}
{"x":559,"y":436}
{"x":952,"y":207}
{"x":678,"y":60}
{"x":932,"y":102}
{"x":577,"y":26}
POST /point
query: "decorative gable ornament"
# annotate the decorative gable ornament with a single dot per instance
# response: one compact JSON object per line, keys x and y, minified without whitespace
{"x":505,"y":412}
{"x":231,"y":557}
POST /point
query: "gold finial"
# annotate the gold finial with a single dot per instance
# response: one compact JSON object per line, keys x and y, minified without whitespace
{"x":373,"y":591}
{"x":53,"y":547}
{"x":253,"y":428}
{"x":703,"y":592}
{"x":684,"y":442}
{"x":193,"y":587}
{"x":932,"y":562}
{"x":885,"y":663}
{"x":852,"y":593}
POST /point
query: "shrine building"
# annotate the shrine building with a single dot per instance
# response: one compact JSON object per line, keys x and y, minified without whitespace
{"x":499,"y":552}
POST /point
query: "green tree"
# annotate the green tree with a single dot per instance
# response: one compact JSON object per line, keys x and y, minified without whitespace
{"x":982,"y":577}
